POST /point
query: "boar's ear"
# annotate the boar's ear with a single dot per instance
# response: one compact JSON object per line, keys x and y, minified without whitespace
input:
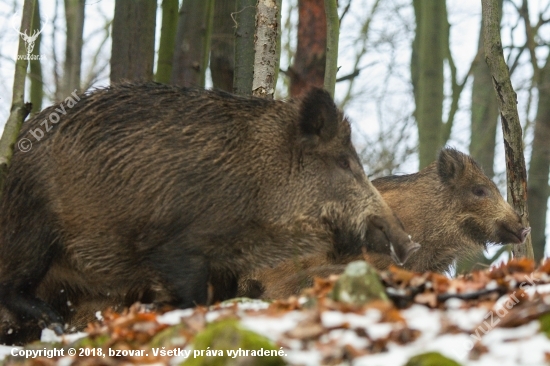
{"x":450,"y":165}
{"x":318,"y":116}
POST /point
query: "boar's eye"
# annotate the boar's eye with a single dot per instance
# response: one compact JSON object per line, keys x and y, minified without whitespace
{"x":343,"y":162}
{"x":480,"y":191}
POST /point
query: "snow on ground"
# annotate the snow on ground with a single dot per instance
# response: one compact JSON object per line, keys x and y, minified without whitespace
{"x":523,"y":345}
{"x":487,"y":318}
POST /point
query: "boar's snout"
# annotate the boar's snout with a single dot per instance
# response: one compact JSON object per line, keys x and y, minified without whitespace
{"x":511,"y":230}
{"x":524,"y":232}
{"x":510,"y":235}
{"x":401,"y":246}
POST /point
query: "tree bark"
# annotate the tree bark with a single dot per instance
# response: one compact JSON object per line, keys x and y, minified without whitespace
{"x":35,"y":74}
{"x":539,"y":168}
{"x":484,"y":120}
{"x":74,"y":17}
{"x":167,"y":40}
{"x":537,"y":186}
{"x":222,"y":54}
{"x":133,"y":40}
{"x":310,"y":59}
{"x":19,"y":110}
{"x":511,"y":127}
{"x":244,"y":46}
{"x":484,"y":112}
{"x":193,"y":43}
{"x":266,"y":55}
{"x":427,"y":77}
{"x":333,"y":31}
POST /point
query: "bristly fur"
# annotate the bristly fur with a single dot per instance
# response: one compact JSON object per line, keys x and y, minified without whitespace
{"x":451,"y":208}
{"x":148,"y":192}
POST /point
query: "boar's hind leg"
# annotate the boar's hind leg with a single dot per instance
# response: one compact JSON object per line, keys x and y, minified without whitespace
{"x":26,"y":253}
{"x":184,"y":275}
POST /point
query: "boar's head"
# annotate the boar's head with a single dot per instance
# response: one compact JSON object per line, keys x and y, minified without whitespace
{"x":330,"y":177}
{"x":483,"y":214}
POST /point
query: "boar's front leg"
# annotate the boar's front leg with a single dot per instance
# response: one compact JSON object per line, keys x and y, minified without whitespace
{"x":31,"y":315}
{"x":224,"y":284}
{"x":184,"y":274}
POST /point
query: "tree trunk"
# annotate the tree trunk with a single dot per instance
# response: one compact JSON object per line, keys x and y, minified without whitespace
{"x":244,"y":46}
{"x":167,"y":40}
{"x":537,"y":186}
{"x":74,"y":17}
{"x":310,"y":59}
{"x":266,"y":50}
{"x":511,"y":127}
{"x":133,"y":40}
{"x":35,"y":75}
{"x":19,"y":110}
{"x":333,"y":32}
{"x":484,"y":117}
{"x":484,"y":113}
{"x":222,"y":54}
{"x":193,"y":43}
{"x":427,"y":76}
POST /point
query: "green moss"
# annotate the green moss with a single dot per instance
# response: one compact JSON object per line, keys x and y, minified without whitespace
{"x":358,"y":285}
{"x":91,"y":342}
{"x":170,"y":337}
{"x":544,"y":321}
{"x":431,"y":359}
{"x":227,"y":335}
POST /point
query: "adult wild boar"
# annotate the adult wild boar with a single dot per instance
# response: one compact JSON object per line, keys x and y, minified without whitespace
{"x":450,"y":207}
{"x":145,"y":189}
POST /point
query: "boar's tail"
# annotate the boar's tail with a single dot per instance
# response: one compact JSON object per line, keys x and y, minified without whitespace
{"x":28,"y":245}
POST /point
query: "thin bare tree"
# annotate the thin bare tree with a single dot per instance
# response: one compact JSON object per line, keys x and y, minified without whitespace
{"x":509,"y":117}
{"x":19,"y":109}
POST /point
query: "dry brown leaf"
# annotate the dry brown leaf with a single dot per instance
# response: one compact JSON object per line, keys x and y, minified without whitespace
{"x":400,"y":276}
{"x":306,"y":330}
{"x":404,"y":335}
{"x":477,"y":351}
{"x":426,"y":298}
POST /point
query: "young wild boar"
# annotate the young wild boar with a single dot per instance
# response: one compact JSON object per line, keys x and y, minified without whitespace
{"x":145,"y":189}
{"x":451,"y":208}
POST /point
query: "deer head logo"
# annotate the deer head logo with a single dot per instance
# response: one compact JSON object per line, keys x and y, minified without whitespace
{"x":28,"y":39}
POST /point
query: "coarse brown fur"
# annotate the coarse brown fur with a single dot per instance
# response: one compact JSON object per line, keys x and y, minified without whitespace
{"x":142,"y":190}
{"x":451,"y":208}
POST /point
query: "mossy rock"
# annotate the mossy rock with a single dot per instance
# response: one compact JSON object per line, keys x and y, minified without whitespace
{"x":91,"y":342}
{"x":359,"y":284}
{"x":227,"y":335}
{"x":431,"y":359}
{"x":170,"y":337}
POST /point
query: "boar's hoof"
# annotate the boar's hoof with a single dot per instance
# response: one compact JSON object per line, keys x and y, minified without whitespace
{"x":57,"y":328}
{"x":401,"y":256}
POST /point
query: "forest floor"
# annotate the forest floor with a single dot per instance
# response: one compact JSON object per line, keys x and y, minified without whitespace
{"x":492,"y":317}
